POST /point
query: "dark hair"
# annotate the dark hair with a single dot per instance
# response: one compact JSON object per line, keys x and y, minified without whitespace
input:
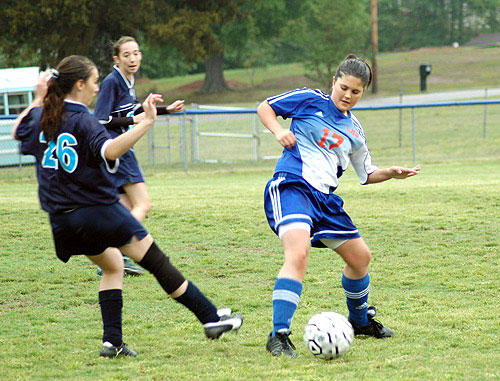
{"x":69,"y":71}
{"x":356,"y":67}
{"x":122,"y":40}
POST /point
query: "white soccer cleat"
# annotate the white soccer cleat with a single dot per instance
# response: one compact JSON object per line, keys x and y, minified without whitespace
{"x":227,"y":322}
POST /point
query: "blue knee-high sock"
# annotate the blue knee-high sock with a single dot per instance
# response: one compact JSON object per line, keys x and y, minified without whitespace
{"x":286,"y":298}
{"x":356,"y":292}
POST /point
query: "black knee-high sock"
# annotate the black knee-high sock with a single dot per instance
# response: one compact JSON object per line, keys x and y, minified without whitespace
{"x":158,"y":264}
{"x":198,"y":304}
{"x":111,"y":302}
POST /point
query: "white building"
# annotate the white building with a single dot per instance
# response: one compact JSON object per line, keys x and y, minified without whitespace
{"x":16,"y":89}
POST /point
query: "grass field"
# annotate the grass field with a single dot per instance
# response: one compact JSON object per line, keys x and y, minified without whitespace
{"x":435,"y":280}
{"x":435,"y":241}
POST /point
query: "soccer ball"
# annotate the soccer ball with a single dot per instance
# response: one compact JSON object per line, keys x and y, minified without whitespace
{"x":328,"y":335}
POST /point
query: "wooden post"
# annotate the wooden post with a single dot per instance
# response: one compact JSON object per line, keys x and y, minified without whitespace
{"x":373,"y":11}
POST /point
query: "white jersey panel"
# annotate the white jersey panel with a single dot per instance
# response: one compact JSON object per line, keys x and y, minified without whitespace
{"x":361,"y":159}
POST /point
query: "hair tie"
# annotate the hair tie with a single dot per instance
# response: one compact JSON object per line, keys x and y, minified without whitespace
{"x":55,"y":73}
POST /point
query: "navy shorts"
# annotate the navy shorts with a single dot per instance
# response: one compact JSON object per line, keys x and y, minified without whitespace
{"x":91,"y":230}
{"x":129,"y":171}
{"x":289,"y":198}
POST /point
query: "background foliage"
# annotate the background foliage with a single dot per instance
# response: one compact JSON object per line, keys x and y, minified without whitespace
{"x":210,"y":36}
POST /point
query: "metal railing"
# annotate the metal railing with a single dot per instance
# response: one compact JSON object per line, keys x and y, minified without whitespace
{"x":190,"y":131}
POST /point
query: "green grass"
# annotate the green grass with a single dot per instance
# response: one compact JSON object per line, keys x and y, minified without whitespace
{"x":435,"y":244}
{"x":462,"y":68}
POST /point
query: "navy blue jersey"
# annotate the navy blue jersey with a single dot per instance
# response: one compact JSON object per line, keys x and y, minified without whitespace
{"x":69,"y":170}
{"x":327,"y":140}
{"x":116,"y":99}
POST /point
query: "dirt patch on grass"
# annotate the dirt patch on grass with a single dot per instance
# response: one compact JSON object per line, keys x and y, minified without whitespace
{"x":142,"y":80}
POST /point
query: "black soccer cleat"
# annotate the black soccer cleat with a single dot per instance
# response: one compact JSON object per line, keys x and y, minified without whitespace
{"x":373,"y":328}
{"x":109,"y":350}
{"x":280,"y":344}
{"x":227,"y":322}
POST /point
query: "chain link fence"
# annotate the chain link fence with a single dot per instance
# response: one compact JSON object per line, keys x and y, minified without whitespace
{"x":432,"y":132}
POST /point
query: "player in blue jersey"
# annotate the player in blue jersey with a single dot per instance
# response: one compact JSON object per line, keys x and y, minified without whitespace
{"x":75,"y":155}
{"x":300,"y":203}
{"x":117,"y":109}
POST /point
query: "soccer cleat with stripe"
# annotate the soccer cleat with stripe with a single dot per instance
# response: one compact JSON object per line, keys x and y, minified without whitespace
{"x":280,"y":344}
{"x":227,"y":322}
{"x":109,"y":350}
{"x":130,"y":268}
{"x":373,"y":328}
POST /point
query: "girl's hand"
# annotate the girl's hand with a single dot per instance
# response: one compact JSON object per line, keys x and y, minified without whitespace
{"x":286,"y":138}
{"x":177,"y":106}
{"x":149,"y":106}
{"x":41,"y":87}
{"x":403,"y":173}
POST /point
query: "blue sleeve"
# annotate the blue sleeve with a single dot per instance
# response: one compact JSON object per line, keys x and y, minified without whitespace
{"x":27,"y":131}
{"x":287,"y":105}
{"x":105,"y":101}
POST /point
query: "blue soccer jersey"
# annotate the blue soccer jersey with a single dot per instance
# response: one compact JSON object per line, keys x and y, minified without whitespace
{"x":327,"y":140}
{"x":116,"y":99}
{"x":69,"y":170}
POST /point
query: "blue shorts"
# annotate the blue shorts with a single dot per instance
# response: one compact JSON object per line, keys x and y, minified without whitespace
{"x":129,"y":171}
{"x":91,"y":230}
{"x":289,"y":198}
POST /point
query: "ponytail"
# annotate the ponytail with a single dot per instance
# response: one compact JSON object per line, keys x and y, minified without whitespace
{"x":70,"y":70}
{"x":356,"y":67}
{"x":53,"y":110}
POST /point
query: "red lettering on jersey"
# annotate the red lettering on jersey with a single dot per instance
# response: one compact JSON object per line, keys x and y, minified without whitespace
{"x":353,"y":131}
{"x":327,"y":132}
{"x":321,"y":143}
{"x":339,"y":138}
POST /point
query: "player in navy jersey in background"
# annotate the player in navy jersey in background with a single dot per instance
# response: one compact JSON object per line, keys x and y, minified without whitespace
{"x":86,"y":217}
{"x":117,"y":109}
{"x":300,"y":203}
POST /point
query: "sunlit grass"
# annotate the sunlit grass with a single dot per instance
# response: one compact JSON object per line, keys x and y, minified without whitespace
{"x":435,"y":244}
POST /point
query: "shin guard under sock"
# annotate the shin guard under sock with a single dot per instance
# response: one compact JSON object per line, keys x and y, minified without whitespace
{"x":356,"y":292}
{"x":198,"y":304}
{"x":158,"y":264}
{"x":111,"y":302}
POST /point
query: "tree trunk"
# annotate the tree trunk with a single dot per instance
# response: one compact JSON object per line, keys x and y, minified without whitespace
{"x":214,"y":75}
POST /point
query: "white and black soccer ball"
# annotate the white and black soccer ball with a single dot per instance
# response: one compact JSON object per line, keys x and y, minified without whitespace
{"x":328,"y":335}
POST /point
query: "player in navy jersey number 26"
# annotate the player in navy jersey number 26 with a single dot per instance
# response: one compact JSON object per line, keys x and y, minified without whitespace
{"x":117,"y":109}
{"x":300,"y":203}
{"x":86,"y":217}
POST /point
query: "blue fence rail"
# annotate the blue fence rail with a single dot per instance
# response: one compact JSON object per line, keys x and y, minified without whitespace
{"x":189,"y":121}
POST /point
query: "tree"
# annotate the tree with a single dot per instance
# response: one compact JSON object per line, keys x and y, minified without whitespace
{"x":409,"y":24}
{"x":199,"y":30}
{"x":329,"y":31}
{"x":51,"y":30}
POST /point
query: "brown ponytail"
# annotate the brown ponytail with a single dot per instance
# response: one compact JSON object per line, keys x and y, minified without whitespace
{"x":356,"y":67}
{"x":69,"y":71}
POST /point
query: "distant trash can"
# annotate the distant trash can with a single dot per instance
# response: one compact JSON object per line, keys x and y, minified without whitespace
{"x":425,"y":70}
